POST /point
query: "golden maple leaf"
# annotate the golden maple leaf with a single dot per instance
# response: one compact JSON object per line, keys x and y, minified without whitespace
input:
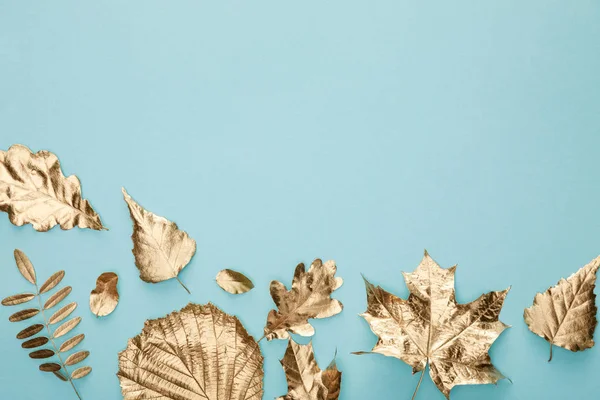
{"x":565,"y":315}
{"x":431,"y":328}
{"x":305,"y":379}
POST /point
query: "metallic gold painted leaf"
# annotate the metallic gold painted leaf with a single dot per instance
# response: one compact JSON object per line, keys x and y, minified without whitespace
{"x":59,"y":375}
{"x":57,"y":297}
{"x":77,"y":357}
{"x":310,"y":297}
{"x":430,"y":328}
{"x":81,"y":372}
{"x":62,"y":313}
{"x":33,"y":190}
{"x":305,"y":379}
{"x":234,"y":282}
{"x":196,"y":353}
{"x":30,"y":331}
{"x":52,"y":281}
{"x":50,"y":367}
{"x":71,"y":343}
{"x":66,"y":327}
{"x":25,"y":266}
{"x":160,"y":249}
{"x":565,"y":314}
{"x":18,"y":299}
{"x":105,"y":297}
{"x":35,"y":342}
{"x":44,"y":353}
{"x":24,"y":314}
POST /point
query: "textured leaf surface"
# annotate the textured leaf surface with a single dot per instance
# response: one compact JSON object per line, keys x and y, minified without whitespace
{"x":50,"y":367}
{"x":310,"y":297}
{"x":305,"y":379}
{"x":430,"y":328}
{"x":565,"y":314}
{"x":234,"y":282}
{"x":57,"y":297}
{"x":33,"y":343}
{"x":25,"y":266}
{"x":105,"y":297}
{"x":81,"y":372}
{"x":44,"y":353}
{"x":77,"y":357}
{"x":18,"y":299}
{"x":30,"y":331}
{"x":160,"y":249}
{"x":71,"y":343}
{"x":196,"y":353}
{"x":24,"y":314}
{"x":33,"y":190}
{"x":62,"y":313}
{"x":52,"y":281}
{"x":66,"y":327}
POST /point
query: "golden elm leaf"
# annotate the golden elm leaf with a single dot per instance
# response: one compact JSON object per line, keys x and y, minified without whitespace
{"x":565,"y":314}
{"x":310,"y":297}
{"x":105,"y":297}
{"x":431,"y":329}
{"x":57,"y":297}
{"x":196,"y":353}
{"x":52,"y":282}
{"x":35,"y":342}
{"x":160,"y":249}
{"x":62,"y":313}
{"x":24,"y":314}
{"x":81,"y":372}
{"x":18,"y":299}
{"x":77,"y":357}
{"x":234,"y":282}
{"x":33,"y":190}
{"x":25,"y":266}
{"x":30,"y":331}
{"x":305,"y":379}
{"x":71,"y":343}
{"x":66,"y":327}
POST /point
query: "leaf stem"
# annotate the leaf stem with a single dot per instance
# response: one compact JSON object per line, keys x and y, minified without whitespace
{"x":179,"y":280}
{"x":56,"y":350}
{"x":551,"y":346}
{"x":420,"y":380}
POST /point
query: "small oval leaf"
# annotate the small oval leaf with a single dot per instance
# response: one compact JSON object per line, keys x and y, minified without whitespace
{"x":25,"y":266}
{"x":57,"y":297}
{"x":105,"y":297}
{"x":59,"y":375}
{"x":81,"y":372}
{"x":50,"y":367}
{"x":234,"y":282}
{"x":30,"y":331}
{"x":35,"y":342}
{"x":63,"y":313}
{"x":70,"y":343}
{"x":66,"y":327}
{"x":77,"y":357}
{"x":44,"y":353}
{"x":18,"y":299}
{"x":24,"y":314}
{"x":52,"y":281}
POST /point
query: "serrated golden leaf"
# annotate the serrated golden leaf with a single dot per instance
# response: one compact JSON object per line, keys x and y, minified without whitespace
{"x":234,"y":282}
{"x":66,"y":327}
{"x":160,"y":248}
{"x":305,"y":379}
{"x":105,"y":297}
{"x":196,"y":353}
{"x":565,"y":314}
{"x":52,"y":282}
{"x":310,"y":297}
{"x":18,"y":299}
{"x":71,"y":343}
{"x":33,"y":190}
{"x":57,"y":297}
{"x":25,"y":266}
{"x":431,"y":329}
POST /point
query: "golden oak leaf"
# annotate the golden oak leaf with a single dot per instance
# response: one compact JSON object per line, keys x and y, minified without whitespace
{"x":565,"y":314}
{"x":310,"y":297}
{"x":105,"y":297}
{"x":160,"y":249}
{"x":33,"y":190}
{"x":431,"y":328}
{"x":196,"y":353}
{"x":305,"y":379}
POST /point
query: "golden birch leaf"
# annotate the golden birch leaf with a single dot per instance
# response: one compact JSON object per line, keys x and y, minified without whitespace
{"x":160,"y":249}
{"x":431,"y":329}
{"x":105,"y":297}
{"x":18,"y":299}
{"x":25,"y":266}
{"x":305,"y":379}
{"x":234,"y":282}
{"x":310,"y":297}
{"x":196,"y":353}
{"x":52,"y":282}
{"x":565,"y":314}
{"x":33,"y":190}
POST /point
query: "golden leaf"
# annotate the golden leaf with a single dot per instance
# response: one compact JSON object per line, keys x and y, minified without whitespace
{"x":305,"y":379}
{"x":18,"y":299}
{"x":310,"y":297}
{"x":33,"y":190}
{"x":81,"y":372}
{"x":105,"y":297}
{"x":234,"y":282}
{"x":62,"y":313}
{"x":160,"y":249}
{"x":24,"y":314}
{"x":71,"y":343}
{"x":50,"y":367}
{"x":57,"y":297}
{"x":196,"y":353}
{"x":52,"y":282}
{"x":430,"y":328}
{"x":565,"y":315}
{"x":77,"y":357}
{"x":25,"y":266}
{"x":30,"y":331}
{"x":66,"y":327}
{"x":35,"y":342}
{"x":44,"y":353}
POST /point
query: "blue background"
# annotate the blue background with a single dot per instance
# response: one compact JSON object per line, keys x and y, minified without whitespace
{"x":276,"y":133}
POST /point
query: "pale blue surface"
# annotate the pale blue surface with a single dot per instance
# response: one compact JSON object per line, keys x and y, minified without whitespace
{"x":275,"y":133}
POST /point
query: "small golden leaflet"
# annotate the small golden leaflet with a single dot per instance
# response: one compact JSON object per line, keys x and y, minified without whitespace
{"x":234,"y":282}
{"x":160,"y":248}
{"x":431,"y":329}
{"x":305,"y":379}
{"x":565,"y":314}
{"x":105,"y":297}
{"x":33,"y":190}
